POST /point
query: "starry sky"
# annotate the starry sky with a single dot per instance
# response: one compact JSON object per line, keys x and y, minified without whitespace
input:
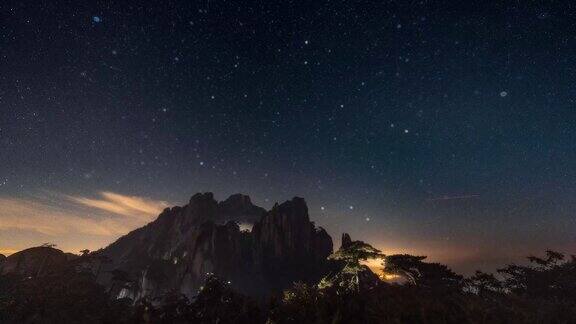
{"x":427,"y":127}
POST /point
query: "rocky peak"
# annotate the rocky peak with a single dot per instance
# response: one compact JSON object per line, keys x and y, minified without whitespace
{"x":239,"y":208}
{"x":184,"y":244}
{"x":202,"y":203}
{"x":289,"y":246}
{"x":293,"y":208}
{"x":346,"y":241}
{"x":285,"y":231}
{"x":202,"y":207}
{"x":200,"y":197}
{"x":239,"y":201}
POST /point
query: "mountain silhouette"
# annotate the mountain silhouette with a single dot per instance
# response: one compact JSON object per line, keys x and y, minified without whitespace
{"x":34,"y":261}
{"x":185,"y":245}
{"x":194,"y":264}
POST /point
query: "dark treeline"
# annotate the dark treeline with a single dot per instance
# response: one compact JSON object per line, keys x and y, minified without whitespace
{"x":544,"y":291}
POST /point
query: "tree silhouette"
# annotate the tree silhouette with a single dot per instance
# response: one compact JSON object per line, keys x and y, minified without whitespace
{"x":351,"y":275}
{"x":484,"y":284}
{"x":550,"y":277}
{"x":355,"y":252}
{"x":218,"y":303}
{"x":422,"y":274}
{"x":543,"y":291}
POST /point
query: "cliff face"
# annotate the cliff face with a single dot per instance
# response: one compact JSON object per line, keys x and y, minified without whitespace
{"x":184,"y":245}
{"x":288,"y":245}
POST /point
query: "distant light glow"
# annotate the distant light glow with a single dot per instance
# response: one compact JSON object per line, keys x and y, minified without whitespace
{"x":377,"y":266}
{"x":245,"y":226}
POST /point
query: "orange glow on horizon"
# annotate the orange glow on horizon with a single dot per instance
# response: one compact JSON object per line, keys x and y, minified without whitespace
{"x":71,"y":222}
{"x":7,"y":251}
{"x":377,"y":266}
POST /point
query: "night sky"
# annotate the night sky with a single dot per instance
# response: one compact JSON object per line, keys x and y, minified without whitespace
{"x":428,"y":127}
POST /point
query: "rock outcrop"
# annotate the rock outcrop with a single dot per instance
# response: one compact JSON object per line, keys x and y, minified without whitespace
{"x":185,"y":245}
{"x":346,"y":241}
{"x":288,"y":245}
{"x":239,"y":208}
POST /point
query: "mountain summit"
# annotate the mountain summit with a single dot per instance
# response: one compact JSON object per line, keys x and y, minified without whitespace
{"x":185,"y":245}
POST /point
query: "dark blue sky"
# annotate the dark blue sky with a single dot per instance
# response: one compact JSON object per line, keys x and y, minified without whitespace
{"x":427,"y":127}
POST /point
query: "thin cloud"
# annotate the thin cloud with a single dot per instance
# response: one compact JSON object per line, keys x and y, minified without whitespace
{"x":38,"y":216}
{"x":132,"y":206}
{"x":137,"y":204}
{"x":112,"y":216}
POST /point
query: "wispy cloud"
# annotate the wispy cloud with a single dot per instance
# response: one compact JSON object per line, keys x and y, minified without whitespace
{"x":132,"y":206}
{"x":65,"y":216}
{"x":38,"y":216}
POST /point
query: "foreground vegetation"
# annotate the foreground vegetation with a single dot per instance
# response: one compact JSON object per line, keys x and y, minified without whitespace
{"x":542,"y":292}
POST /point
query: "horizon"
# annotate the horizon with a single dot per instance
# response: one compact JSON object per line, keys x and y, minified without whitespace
{"x":127,"y":205}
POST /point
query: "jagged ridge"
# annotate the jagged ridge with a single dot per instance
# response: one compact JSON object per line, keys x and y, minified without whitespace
{"x":185,"y":244}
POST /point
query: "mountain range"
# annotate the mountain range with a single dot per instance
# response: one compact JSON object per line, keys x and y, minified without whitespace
{"x":186,"y":244}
